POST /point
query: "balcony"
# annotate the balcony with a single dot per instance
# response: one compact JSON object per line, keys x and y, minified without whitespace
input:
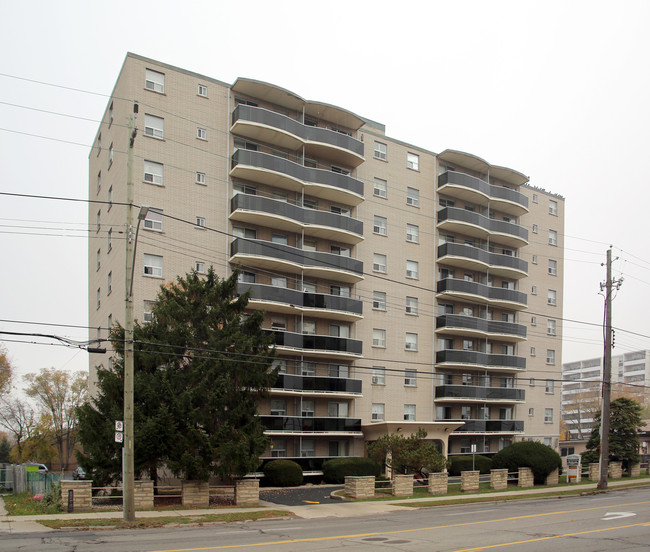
{"x":455,"y":358}
{"x":282,"y":173}
{"x":458,"y":324}
{"x":281,"y":215}
{"x":475,"y":190}
{"x":462,"y":221}
{"x":463,"y":290}
{"x":305,"y":424}
{"x":316,"y":385}
{"x":295,"y":302}
{"x":490,"y":426}
{"x":284,"y":258}
{"x":317,"y":345}
{"x":262,"y":125}
{"x":473,"y":258}
{"x":464,"y":393}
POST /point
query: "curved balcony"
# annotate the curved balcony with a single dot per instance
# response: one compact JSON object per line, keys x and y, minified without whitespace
{"x":480,"y":260}
{"x":307,"y":424}
{"x":316,"y":386}
{"x":455,"y":358}
{"x":281,"y":215}
{"x":262,"y":125}
{"x":462,"y":221}
{"x":458,"y":324}
{"x":463,"y":393}
{"x":474,"y":190}
{"x":490,"y":426}
{"x":282,"y":173}
{"x":295,"y":302}
{"x":463,"y":290}
{"x":317,"y":345}
{"x":284,"y":258}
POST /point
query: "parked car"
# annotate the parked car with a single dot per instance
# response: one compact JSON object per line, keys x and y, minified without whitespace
{"x":79,"y":473}
{"x":42,"y":468}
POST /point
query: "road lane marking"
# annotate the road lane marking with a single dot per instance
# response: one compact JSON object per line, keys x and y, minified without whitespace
{"x":473,"y":512}
{"x":617,"y":515}
{"x":419,"y":529}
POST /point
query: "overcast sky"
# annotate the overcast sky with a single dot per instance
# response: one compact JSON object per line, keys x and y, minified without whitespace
{"x":557,"y":90}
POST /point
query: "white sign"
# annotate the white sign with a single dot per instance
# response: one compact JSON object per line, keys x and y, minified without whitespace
{"x":119,"y":437}
{"x":119,"y":425}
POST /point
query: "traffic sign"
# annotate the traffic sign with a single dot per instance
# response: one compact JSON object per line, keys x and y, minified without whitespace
{"x":119,"y":437}
{"x":119,"y":425}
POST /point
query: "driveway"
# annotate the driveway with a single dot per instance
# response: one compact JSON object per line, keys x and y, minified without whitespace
{"x":299,"y":496}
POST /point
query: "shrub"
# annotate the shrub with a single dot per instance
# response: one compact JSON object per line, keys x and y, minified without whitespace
{"x":335,"y":470}
{"x":283,"y":473}
{"x":52,"y":499}
{"x":542,"y":459}
{"x":464,"y":463}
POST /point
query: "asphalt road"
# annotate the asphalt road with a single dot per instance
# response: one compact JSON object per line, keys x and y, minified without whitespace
{"x":299,"y":496}
{"x":614,"y":522}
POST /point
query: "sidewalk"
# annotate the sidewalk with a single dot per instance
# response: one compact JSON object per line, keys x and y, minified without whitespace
{"x":29,"y":524}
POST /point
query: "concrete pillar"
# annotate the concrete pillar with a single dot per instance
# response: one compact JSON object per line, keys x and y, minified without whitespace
{"x":499,"y":479}
{"x":526,"y":478}
{"x":403,"y":485}
{"x":469,"y":481}
{"x":82,"y":495}
{"x":195,"y":494}
{"x":247,"y":492}
{"x":438,"y":483}
{"x":360,"y":486}
{"x":143,"y":494}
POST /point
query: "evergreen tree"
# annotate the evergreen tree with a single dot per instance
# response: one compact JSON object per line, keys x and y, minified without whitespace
{"x":5,"y":450}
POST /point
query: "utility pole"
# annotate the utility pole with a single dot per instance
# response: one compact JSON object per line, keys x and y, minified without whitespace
{"x":128,"y":470}
{"x":607,"y":372}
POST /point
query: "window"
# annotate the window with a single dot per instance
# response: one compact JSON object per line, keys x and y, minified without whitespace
{"x":154,"y":220}
{"x":552,"y":237}
{"x":531,"y":382}
{"x":337,"y":409}
{"x":307,"y":327}
{"x":338,"y":250}
{"x":247,"y":277}
{"x":153,"y":172}
{"x":412,"y":305}
{"x":532,"y":351}
{"x":340,"y":170}
{"x":110,"y":197}
{"x":378,"y":412}
{"x":411,"y":341}
{"x":381,"y":187}
{"x":379,"y":262}
{"x":278,"y":407}
{"x":344,"y":211}
{"x":154,"y":126}
{"x":533,"y":321}
{"x":409,"y":412}
{"x":535,"y":229}
{"x":307,"y":408}
{"x":443,"y":412}
{"x":468,"y":345}
{"x":279,"y":324}
{"x":200,"y":178}
{"x":99,"y":259}
{"x":413,"y":161}
{"x":552,"y":297}
{"x":531,"y":411}
{"x":380,"y":226}
{"x":199,"y":266}
{"x":309,"y":287}
{"x":339,"y":371}
{"x":282,"y":239}
{"x":99,"y":181}
{"x":339,"y":330}
{"x":550,"y":386}
{"x":550,"y":327}
{"x":241,"y":232}
{"x":340,"y":290}
{"x":552,"y":207}
{"x":279,"y":281}
{"x":147,"y":315}
{"x":552,"y":267}
{"x":201,"y":133}
{"x":111,"y":154}
{"x":202,"y":91}
{"x":99,"y":297}
{"x":109,"y":283}
{"x":412,"y":233}
{"x":200,"y":222}
{"x":308,"y":203}
{"x":550,"y":356}
{"x":413,"y":197}
{"x":153,"y":265}
{"x":533,"y":290}
{"x":412,"y":269}
{"x":379,"y":300}
{"x":378,"y":375}
{"x":338,"y":448}
{"x":535,"y":198}
{"x":505,"y":413}
{"x":278,"y":448}
{"x":380,"y":151}
{"x":410,"y":378}
{"x":378,"y":338}
{"x":99,"y":220}
{"x":534,"y":259}
{"x":154,"y":81}
{"x":110,"y":239}
{"x":548,"y":415}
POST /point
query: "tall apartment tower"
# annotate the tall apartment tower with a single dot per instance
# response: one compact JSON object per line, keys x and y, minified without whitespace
{"x":396,"y":282}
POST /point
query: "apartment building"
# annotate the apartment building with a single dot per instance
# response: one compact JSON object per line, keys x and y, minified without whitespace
{"x":403,"y":288}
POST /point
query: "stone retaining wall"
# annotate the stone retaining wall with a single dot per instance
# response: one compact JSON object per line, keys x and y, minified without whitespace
{"x":143,"y":494}
{"x":81,"y":493}
{"x":196,"y":494}
{"x":247,"y":492}
{"x":360,"y":486}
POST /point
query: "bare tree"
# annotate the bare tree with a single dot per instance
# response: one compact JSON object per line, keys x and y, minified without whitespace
{"x":58,"y":394}
{"x":19,"y":419}
{"x":5,"y":371}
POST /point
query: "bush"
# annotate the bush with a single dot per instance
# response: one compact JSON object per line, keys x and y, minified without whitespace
{"x":464,"y":463}
{"x":283,"y":473}
{"x":542,"y":459}
{"x":335,"y":470}
{"x":52,"y":499}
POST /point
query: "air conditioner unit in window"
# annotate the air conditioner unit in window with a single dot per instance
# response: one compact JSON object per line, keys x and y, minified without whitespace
{"x":411,"y":274}
{"x":375,"y":379}
{"x":411,"y":201}
{"x":379,"y":267}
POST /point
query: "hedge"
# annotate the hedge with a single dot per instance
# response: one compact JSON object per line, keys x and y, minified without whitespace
{"x":542,"y":459}
{"x":335,"y":470}
{"x":464,"y":463}
{"x":282,"y":473}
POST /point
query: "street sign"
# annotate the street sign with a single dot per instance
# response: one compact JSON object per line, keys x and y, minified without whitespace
{"x":119,"y":425}
{"x":119,"y":437}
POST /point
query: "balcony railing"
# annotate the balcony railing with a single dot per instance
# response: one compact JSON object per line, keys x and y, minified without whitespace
{"x":301,"y":299}
{"x":476,"y":358}
{"x":488,"y":260}
{"x":298,"y":172}
{"x":489,"y":426}
{"x":300,"y":215}
{"x":291,"y":382}
{"x":305,"y":424}
{"x":479,"y":393}
{"x":490,"y":191}
{"x":489,"y":293}
{"x":490,"y":226}
{"x":459,"y":321}
{"x":313,"y":342}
